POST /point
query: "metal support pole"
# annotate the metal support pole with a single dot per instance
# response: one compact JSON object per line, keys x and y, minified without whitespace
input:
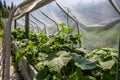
{"x":27,"y":23}
{"x":118,"y":65}
{"x":50,"y":19}
{"x":40,"y":22}
{"x":15,"y":24}
{"x":114,"y":6}
{"x":7,"y":46}
{"x":36,"y":26}
{"x":72,"y":19}
{"x":68,"y":10}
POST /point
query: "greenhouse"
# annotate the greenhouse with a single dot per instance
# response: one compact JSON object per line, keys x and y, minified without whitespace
{"x":63,"y":40}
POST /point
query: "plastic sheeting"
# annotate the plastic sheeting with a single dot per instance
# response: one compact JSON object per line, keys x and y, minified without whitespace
{"x":97,"y":20}
{"x":54,"y":12}
{"x":91,"y":12}
{"x":117,"y":3}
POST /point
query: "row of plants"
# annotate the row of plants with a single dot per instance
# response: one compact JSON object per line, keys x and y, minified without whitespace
{"x":58,"y":57}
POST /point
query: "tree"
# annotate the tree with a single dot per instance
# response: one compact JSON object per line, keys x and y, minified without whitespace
{"x":0,"y":14}
{"x":12,"y":5}
{"x":9,"y":8}
{"x":5,"y":13}
{"x":5,"y":4}
{"x":1,"y":5}
{"x":2,"y":23}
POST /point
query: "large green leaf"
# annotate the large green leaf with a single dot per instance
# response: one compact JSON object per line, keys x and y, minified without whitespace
{"x":107,"y":64}
{"x":80,"y":51}
{"x":103,"y":54}
{"x":89,"y":78}
{"x":45,"y":48}
{"x":77,"y":75}
{"x":41,"y":58}
{"x":58,"y":60}
{"x":42,"y":74}
{"x":62,"y":24}
{"x":108,"y":76}
{"x":82,"y":62}
{"x":66,"y":30}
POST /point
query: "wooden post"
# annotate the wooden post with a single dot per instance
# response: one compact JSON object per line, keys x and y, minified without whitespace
{"x":27,"y":23}
{"x":7,"y":46}
{"x":118,"y":64}
{"x":15,"y":24}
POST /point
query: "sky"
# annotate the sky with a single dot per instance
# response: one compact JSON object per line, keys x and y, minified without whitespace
{"x":16,"y":2}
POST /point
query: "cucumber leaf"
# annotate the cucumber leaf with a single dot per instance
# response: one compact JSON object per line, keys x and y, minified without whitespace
{"x":58,"y":60}
{"x":82,"y":62}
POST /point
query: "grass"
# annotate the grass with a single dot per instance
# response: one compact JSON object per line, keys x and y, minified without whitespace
{"x":1,"y":33}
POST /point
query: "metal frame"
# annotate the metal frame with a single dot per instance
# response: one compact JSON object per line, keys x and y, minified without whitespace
{"x":36,"y":26}
{"x":68,"y":16}
{"x":114,"y":6}
{"x":50,"y":19}
{"x":29,"y":23}
{"x":19,"y":24}
{"x":32,"y":25}
{"x":15,"y":24}
{"x":71,"y":18}
{"x":118,"y":64}
{"x":40,"y":22}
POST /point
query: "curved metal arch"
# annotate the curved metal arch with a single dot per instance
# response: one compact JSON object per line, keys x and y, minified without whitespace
{"x":36,"y":25}
{"x":114,"y":6}
{"x":30,"y":24}
{"x":50,"y":19}
{"x":71,"y":18}
{"x":19,"y":24}
{"x":40,"y":22}
{"x":68,"y":16}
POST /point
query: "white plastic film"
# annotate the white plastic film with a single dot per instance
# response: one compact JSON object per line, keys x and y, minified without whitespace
{"x":96,"y":20}
{"x":92,"y":12}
